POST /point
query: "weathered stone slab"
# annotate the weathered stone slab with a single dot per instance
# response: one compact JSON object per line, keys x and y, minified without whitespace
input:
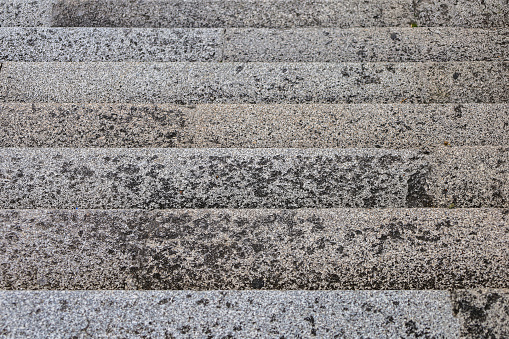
{"x":107,"y":44}
{"x":42,"y":44}
{"x":280,"y":13}
{"x":195,"y":82}
{"x":236,"y":13}
{"x":26,"y":13}
{"x":253,"y":178}
{"x":365,"y":45}
{"x":254,"y":249}
{"x":175,"y":314}
{"x":483,"y":313}
{"x":396,"y":126}
{"x":462,"y":13}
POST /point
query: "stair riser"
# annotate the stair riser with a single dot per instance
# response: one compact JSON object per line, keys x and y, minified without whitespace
{"x":254,"y":249}
{"x":397,"y":126}
{"x":175,"y":314}
{"x":255,"y":82}
{"x":253,"y":45}
{"x":256,"y":178}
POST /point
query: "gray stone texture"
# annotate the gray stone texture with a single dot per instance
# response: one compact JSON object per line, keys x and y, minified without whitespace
{"x":365,"y":45}
{"x":26,"y":13}
{"x":202,"y":82}
{"x":483,"y":313}
{"x":462,"y":13}
{"x":470,"y":177}
{"x":232,"y":13}
{"x":396,"y":126}
{"x":253,"y":178}
{"x":248,"y":314}
{"x":281,"y":13}
{"x":253,"y":45}
{"x":110,"y":44}
{"x":324,"y":249}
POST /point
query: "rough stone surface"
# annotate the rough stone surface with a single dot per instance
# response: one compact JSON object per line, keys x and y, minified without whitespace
{"x":25,"y":13}
{"x":212,"y":178}
{"x":253,"y":45}
{"x":463,"y":13}
{"x":483,"y":313}
{"x":109,"y":44}
{"x":253,"y":126}
{"x":254,"y":249}
{"x":202,"y":82}
{"x":253,"y":178}
{"x":281,"y":13}
{"x":361,"y":44}
{"x":248,"y":314}
{"x":470,"y":177}
{"x":232,"y":13}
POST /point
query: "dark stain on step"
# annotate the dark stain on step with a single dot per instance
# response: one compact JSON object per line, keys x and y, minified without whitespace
{"x":482,"y":313}
{"x":417,"y":195}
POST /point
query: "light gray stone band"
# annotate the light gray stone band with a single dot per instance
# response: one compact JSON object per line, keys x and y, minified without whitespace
{"x":110,"y":44}
{"x":324,"y":249}
{"x":202,"y":82}
{"x":247,"y":314}
{"x":26,"y":13}
{"x":254,"y":13}
{"x":398,"y":126}
{"x":253,"y":45}
{"x":482,"y":313}
{"x":365,"y":45}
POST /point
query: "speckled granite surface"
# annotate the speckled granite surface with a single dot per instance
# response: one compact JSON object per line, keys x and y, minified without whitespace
{"x":463,"y":13}
{"x":248,"y":314}
{"x":254,"y":249}
{"x":248,"y":45}
{"x":253,"y":13}
{"x":483,"y":313}
{"x":118,"y":44}
{"x":26,"y":12}
{"x":232,"y":13}
{"x":198,"y":82}
{"x":365,"y":45}
{"x":253,"y":178}
{"x":281,"y":13}
{"x":397,"y":126}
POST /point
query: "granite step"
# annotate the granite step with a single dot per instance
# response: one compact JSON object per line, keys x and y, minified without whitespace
{"x":310,"y":249}
{"x":30,"y":13}
{"x":255,"y":13}
{"x":154,"y":178}
{"x":205,"y":82}
{"x":221,"y":314}
{"x":398,"y":126}
{"x":295,"y":314}
{"x":253,"y":45}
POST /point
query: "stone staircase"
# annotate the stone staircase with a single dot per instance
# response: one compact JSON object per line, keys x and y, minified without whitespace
{"x":254,"y":168}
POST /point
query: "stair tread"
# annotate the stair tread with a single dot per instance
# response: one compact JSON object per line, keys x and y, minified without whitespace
{"x":398,"y":126}
{"x":203,"y":82}
{"x":220,"y":313}
{"x":253,"y":178}
{"x":394,"y":44}
{"x":279,"y":13}
{"x":325,"y":249}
